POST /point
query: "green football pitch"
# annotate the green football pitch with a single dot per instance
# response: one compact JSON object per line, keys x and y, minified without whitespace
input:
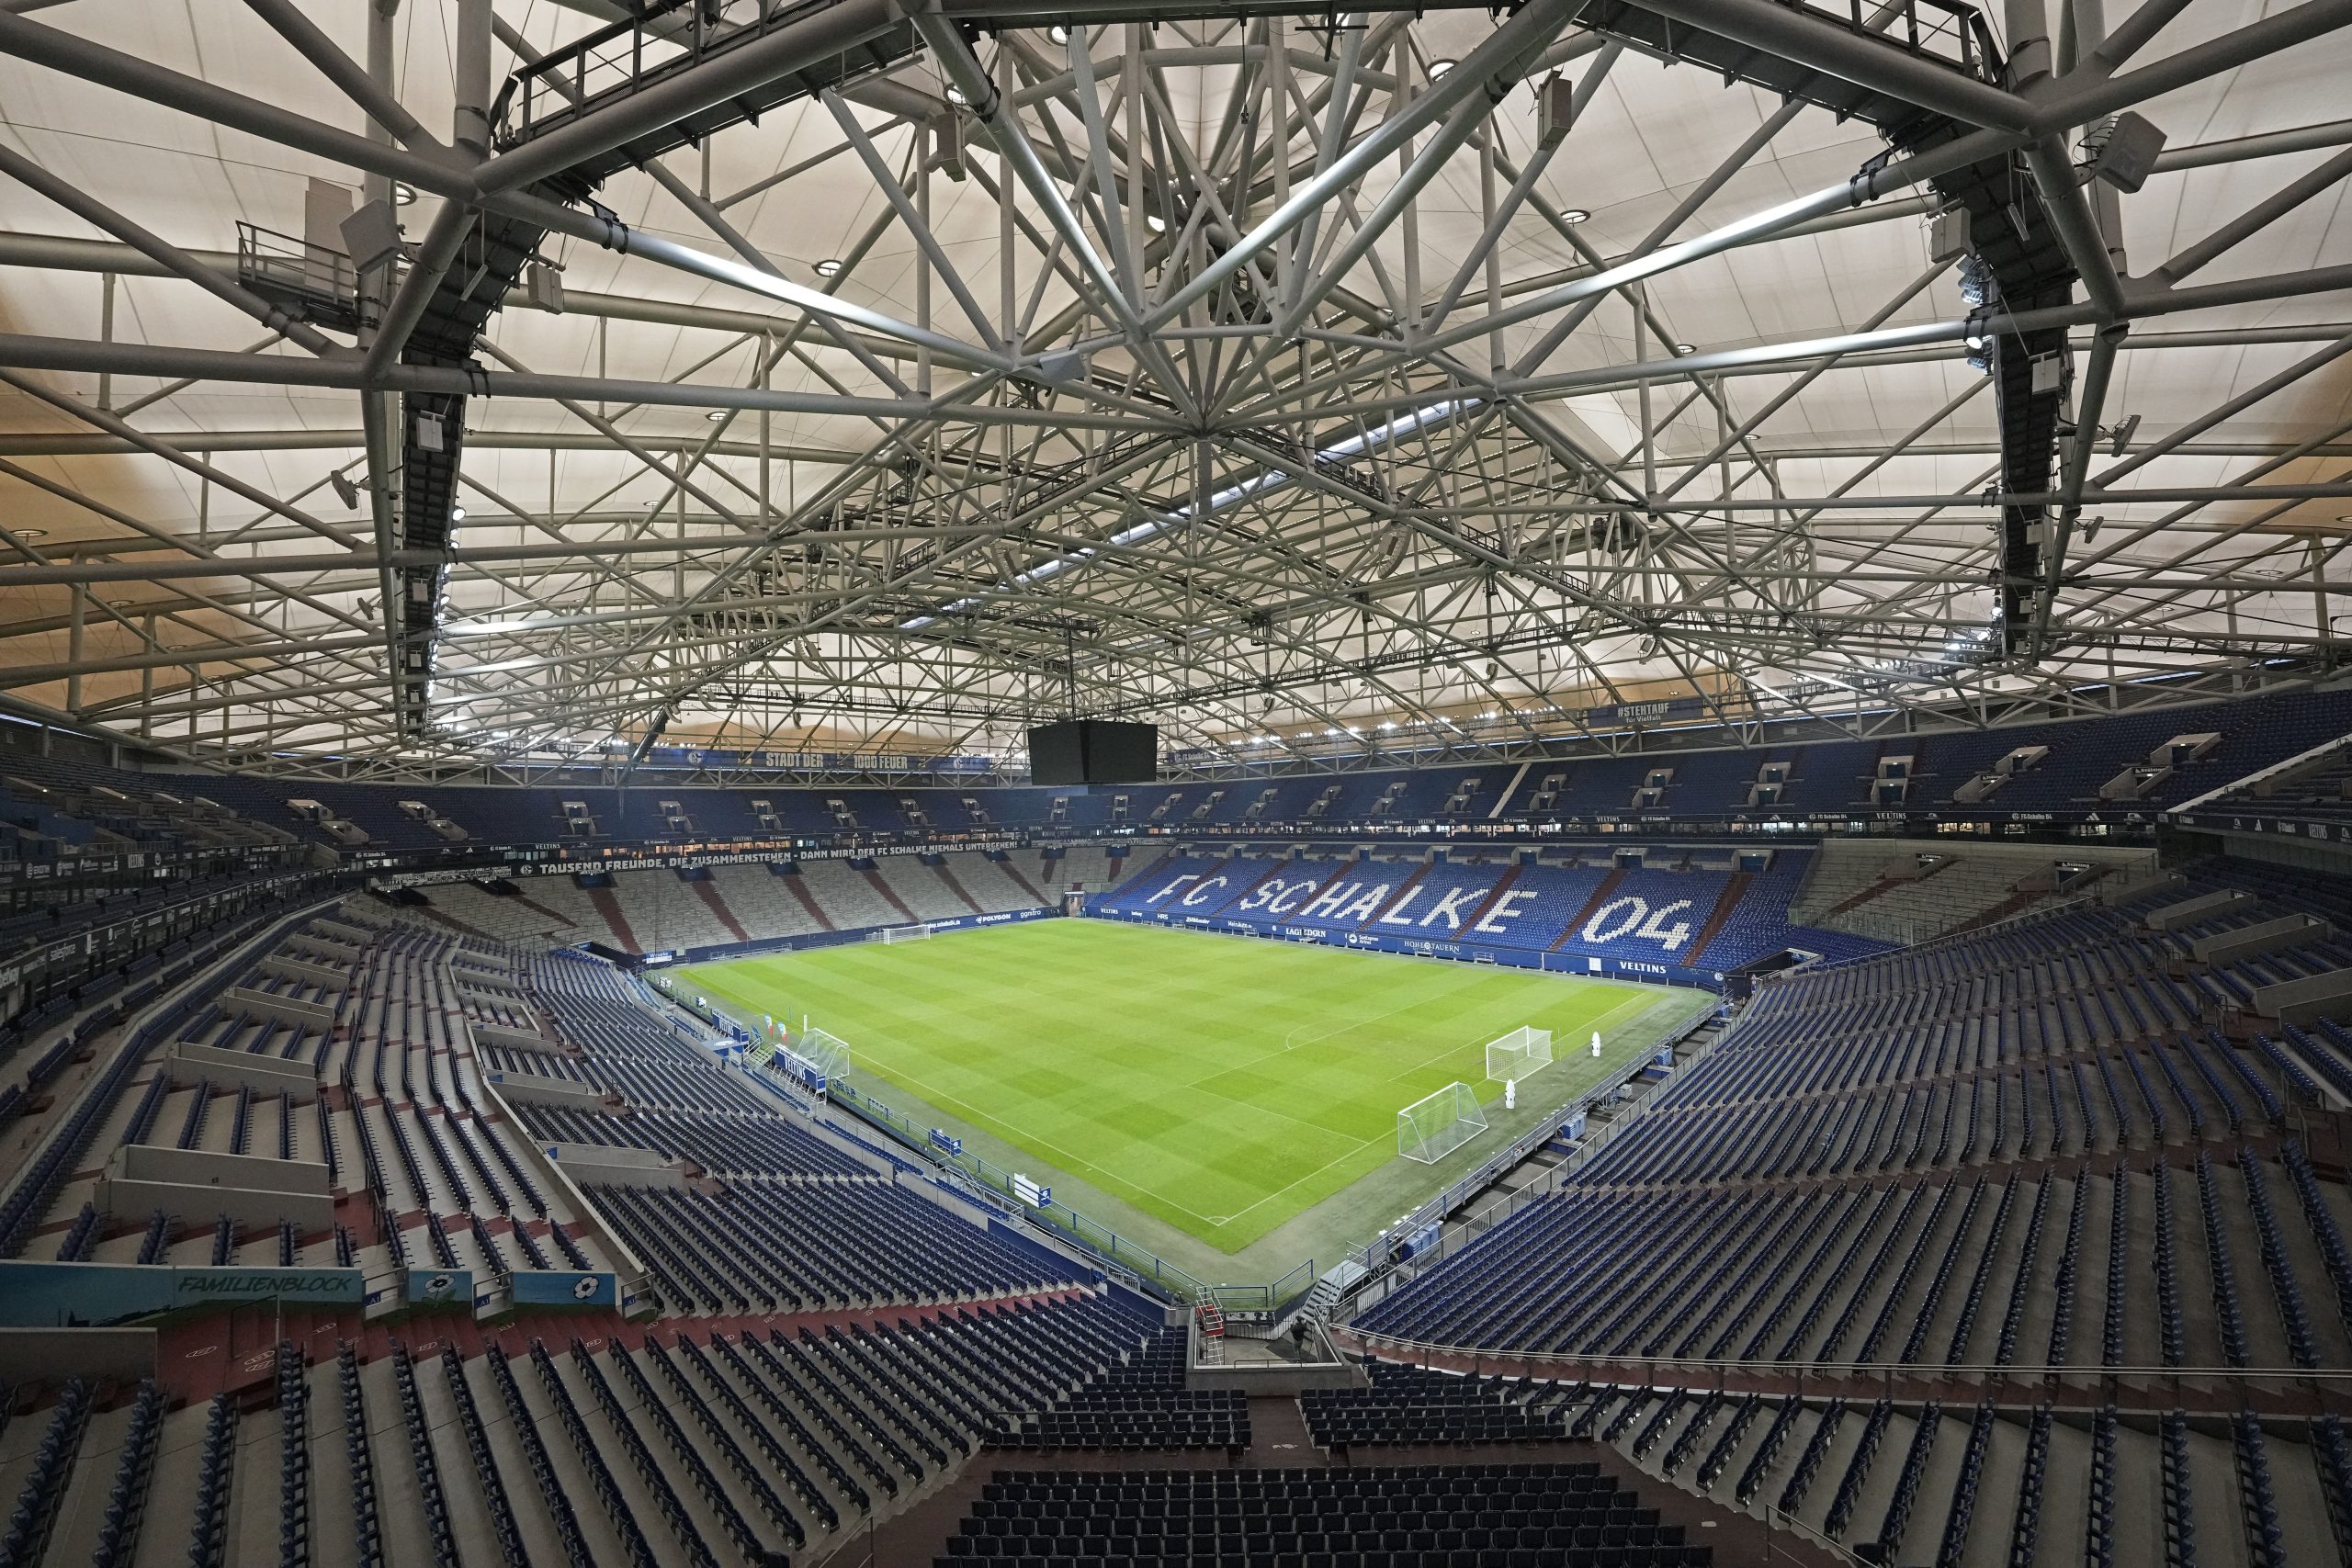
{"x":1218,"y":1084}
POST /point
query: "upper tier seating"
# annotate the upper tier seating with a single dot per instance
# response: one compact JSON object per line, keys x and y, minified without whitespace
{"x":51,"y":807}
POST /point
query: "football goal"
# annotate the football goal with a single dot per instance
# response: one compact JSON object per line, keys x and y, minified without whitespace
{"x":1519,"y":1055}
{"x":1429,"y":1130}
{"x":816,"y":1058}
{"x":899,"y":933}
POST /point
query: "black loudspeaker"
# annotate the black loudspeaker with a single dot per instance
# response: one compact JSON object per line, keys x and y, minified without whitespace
{"x":1093,"y":751}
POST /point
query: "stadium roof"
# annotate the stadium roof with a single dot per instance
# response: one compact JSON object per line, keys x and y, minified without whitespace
{"x":857,"y":377}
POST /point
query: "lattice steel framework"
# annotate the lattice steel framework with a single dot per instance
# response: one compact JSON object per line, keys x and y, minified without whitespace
{"x":1241,"y":367}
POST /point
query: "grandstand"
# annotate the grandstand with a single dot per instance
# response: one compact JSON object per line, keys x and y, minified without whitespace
{"x":1683,"y":894}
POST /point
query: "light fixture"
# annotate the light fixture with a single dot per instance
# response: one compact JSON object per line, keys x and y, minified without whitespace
{"x":345,"y":491}
{"x":403,"y":194}
{"x":1682,"y":348}
{"x":1576,"y":215}
{"x":1059,"y":33}
{"x":1155,"y":222}
{"x":1438,"y":68}
{"x":33,"y":533}
{"x":956,"y":95}
{"x":457,"y":514}
{"x":829,"y":267}
{"x":716,"y":415}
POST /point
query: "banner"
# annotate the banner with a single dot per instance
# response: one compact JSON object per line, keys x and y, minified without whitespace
{"x":559,"y":1287}
{"x":1418,"y":947}
{"x":440,"y":1287}
{"x":95,"y":1295}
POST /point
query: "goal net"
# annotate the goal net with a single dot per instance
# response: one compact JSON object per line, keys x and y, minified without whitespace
{"x":1429,"y":1130}
{"x":899,"y":933}
{"x":817,"y":1057}
{"x":1520,"y":1053}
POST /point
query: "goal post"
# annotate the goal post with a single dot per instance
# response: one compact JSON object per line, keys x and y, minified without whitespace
{"x":1520,"y":1054}
{"x":888,"y":934}
{"x":816,"y":1058}
{"x":1433,"y":1127}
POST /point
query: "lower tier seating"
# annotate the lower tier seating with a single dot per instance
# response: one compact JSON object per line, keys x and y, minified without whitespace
{"x":1140,"y":1403}
{"x":659,"y":1447}
{"x":1570,"y":1516}
{"x":1420,"y":1407}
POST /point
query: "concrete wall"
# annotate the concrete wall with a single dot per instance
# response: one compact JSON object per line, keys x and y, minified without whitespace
{"x":529,"y":1089}
{"x":2303,"y":1000}
{"x":198,"y":1188}
{"x":45,"y":1355}
{"x":191,"y":1063}
{"x":2189,"y":911}
{"x":585,"y":1216}
{"x":2263,"y":936}
{"x":305,"y":972}
{"x":607,"y":1165}
{"x":514,"y":1039}
{"x":246,"y":1003}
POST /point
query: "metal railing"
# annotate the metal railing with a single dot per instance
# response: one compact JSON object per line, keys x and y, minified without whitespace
{"x":1140,"y":1264}
{"x":283,"y":268}
{"x":617,"y":60}
{"x":1943,"y":30}
{"x":1717,"y":1373}
{"x":1775,"y":1518}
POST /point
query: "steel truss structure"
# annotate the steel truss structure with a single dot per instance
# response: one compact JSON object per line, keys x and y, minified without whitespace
{"x":1324,"y":384}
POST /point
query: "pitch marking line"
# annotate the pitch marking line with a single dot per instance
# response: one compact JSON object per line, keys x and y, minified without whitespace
{"x":1076,"y":1163}
{"x":1308,"y":1176}
{"x":1017,"y":1137}
{"x":1367,"y":1142}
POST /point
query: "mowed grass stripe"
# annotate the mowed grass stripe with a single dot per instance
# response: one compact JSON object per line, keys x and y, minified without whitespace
{"x":1221,"y":1084}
